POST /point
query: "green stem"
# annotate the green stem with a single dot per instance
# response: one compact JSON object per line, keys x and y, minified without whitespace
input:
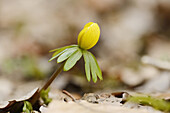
{"x":34,"y":99}
{"x":54,"y":75}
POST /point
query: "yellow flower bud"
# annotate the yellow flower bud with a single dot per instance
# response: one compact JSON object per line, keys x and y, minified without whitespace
{"x":89,"y":36}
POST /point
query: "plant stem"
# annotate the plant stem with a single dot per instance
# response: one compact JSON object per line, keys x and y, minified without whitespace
{"x":54,"y":75}
{"x":34,"y":99}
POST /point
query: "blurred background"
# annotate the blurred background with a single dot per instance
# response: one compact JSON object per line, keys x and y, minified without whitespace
{"x":133,"y":51}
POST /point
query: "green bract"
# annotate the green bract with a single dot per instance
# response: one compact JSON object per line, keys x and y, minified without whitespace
{"x":88,"y":37}
{"x":92,"y":66}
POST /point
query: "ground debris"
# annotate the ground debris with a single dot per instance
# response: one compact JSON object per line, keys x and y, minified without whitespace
{"x":98,"y":103}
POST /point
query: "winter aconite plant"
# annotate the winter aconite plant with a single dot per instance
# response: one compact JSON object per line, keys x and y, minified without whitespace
{"x":87,"y":38}
{"x":67,"y":56}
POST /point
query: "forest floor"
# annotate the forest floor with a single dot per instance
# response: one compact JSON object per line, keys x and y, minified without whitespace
{"x":104,"y":102}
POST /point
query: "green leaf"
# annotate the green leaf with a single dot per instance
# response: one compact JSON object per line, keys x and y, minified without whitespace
{"x":156,"y":103}
{"x":63,"y":48}
{"x":44,"y":96}
{"x":58,"y":53}
{"x":66,"y":54}
{"x":92,"y":67}
{"x":95,"y":69}
{"x":98,"y":70}
{"x":27,"y":107}
{"x":87,"y":65}
{"x":94,"y":76}
{"x":71,"y":61}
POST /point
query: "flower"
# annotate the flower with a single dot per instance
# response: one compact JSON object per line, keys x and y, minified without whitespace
{"x":89,"y":36}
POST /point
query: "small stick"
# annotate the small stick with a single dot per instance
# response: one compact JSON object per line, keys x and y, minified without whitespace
{"x":70,"y":95}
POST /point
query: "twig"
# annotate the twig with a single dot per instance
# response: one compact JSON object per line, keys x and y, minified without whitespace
{"x":70,"y":95}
